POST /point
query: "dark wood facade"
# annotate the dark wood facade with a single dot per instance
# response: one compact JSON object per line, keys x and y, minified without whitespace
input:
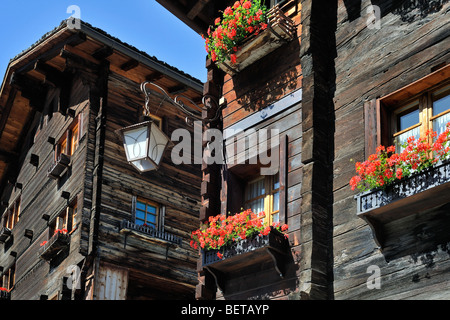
{"x":351,"y":71}
{"x":68,"y":94}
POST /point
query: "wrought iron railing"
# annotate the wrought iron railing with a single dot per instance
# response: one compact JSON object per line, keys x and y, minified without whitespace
{"x":151,"y":232}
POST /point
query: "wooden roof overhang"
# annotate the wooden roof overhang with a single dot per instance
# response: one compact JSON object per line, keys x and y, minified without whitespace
{"x":197,"y":14}
{"x":28,"y":75}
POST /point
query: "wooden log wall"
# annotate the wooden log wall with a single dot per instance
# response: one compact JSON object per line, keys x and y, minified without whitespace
{"x":413,"y":39}
{"x":263,"y":83}
{"x":42,"y":196}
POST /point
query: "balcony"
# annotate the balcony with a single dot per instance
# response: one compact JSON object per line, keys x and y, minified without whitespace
{"x":57,"y":168}
{"x":280,"y":30}
{"x":50,"y":249}
{"x":246,"y":256}
{"x":148,"y":233}
{"x":420,"y":192}
{"x":5,"y":233}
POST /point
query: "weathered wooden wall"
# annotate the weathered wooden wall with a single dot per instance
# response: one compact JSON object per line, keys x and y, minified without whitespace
{"x":176,"y":187}
{"x":276,"y":75}
{"x":413,"y":38}
{"x":40,"y":196}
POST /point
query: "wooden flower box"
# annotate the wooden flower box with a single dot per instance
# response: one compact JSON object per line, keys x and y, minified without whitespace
{"x":57,"y":168}
{"x":421,"y":191}
{"x":5,"y":233}
{"x":54,"y":245}
{"x":280,"y":30}
{"x":246,"y":255}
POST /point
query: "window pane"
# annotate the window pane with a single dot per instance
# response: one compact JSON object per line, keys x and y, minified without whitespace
{"x":140,"y":205}
{"x":151,"y":209}
{"x":441,"y":105}
{"x":255,"y":189}
{"x":408,"y":120}
{"x":402,"y":138}
{"x":276,"y":181}
{"x":140,"y":214}
{"x":276,"y":217}
{"x":139,"y":222}
{"x":440,"y":123}
{"x":151,"y":218}
{"x":257,"y":206}
{"x":276,"y":201}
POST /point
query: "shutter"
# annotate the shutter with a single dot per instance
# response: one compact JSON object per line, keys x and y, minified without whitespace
{"x":133,"y":208}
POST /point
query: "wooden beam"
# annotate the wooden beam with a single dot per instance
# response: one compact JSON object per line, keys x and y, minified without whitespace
{"x":197,"y":8}
{"x":103,"y":53}
{"x":30,"y":89}
{"x":129,"y":65}
{"x":51,"y":74}
{"x":155,"y":76}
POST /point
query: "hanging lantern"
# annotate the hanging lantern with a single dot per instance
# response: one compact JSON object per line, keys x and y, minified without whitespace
{"x":144,"y":145}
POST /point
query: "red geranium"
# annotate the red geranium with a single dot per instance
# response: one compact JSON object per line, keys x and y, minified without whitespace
{"x":237,"y":23}
{"x":386,"y":166}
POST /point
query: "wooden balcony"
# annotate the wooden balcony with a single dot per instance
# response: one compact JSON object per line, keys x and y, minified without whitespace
{"x":56,"y":169}
{"x":420,"y":192}
{"x":54,"y":245}
{"x":280,"y":30}
{"x":5,"y":233}
{"x":246,"y":256}
{"x":148,"y":233}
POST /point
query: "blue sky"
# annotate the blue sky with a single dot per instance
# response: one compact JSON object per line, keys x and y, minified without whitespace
{"x":144,"y":24}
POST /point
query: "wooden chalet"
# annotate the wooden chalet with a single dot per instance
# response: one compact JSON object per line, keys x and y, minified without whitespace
{"x":347,"y":77}
{"x":79,"y":222}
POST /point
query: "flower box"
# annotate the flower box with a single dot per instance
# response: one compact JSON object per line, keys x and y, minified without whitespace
{"x":280,"y":30}
{"x":57,"y":168}
{"x":4,"y":294}
{"x":5,"y":233}
{"x":54,"y":245}
{"x":243,"y":256}
{"x":419,"y":192}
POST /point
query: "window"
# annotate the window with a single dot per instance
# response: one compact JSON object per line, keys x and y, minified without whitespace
{"x":67,"y":220}
{"x":12,"y":215}
{"x":8,"y":278}
{"x":146,"y":213}
{"x":429,"y":110}
{"x":70,"y":140}
{"x":263,"y":194}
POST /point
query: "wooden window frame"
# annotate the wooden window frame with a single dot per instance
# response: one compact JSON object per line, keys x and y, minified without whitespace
{"x":69,"y":142}
{"x":8,"y":278}
{"x":379,"y":113}
{"x":67,"y":219}
{"x":159,"y":209}
{"x":11,"y":217}
{"x":268,"y":197}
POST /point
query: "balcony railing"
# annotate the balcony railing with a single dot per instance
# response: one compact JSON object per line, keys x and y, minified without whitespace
{"x":421,"y":191}
{"x":245,"y":255}
{"x":280,"y":30}
{"x":5,"y":233}
{"x":54,"y":245}
{"x":149,"y":232}
{"x":58,"y":167}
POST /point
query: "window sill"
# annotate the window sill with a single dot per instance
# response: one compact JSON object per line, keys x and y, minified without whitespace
{"x":280,"y":30}
{"x":420,"y":192}
{"x":246,"y":255}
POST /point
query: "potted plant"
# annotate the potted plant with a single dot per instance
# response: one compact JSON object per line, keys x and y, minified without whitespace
{"x":393,"y":185}
{"x":4,"y":294}
{"x":246,"y":32}
{"x":221,"y":235}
